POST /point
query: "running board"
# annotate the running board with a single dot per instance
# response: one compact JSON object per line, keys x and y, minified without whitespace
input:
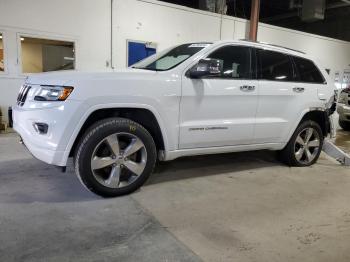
{"x":335,"y":152}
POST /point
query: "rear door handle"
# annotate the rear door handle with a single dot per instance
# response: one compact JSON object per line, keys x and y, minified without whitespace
{"x":247,"y":88}
{"x":298,"y":89}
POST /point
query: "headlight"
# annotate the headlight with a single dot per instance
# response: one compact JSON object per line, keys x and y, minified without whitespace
{"x":53,"y":93}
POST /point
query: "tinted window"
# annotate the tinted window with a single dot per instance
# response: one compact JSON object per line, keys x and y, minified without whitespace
{"x":236,"y":61}
{"x":307,"y":71}
{"x":274,"y":66}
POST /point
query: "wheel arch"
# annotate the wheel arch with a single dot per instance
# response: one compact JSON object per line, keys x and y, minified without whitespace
{"x":142,"y":115}
{"x":314,"y":114}
{"x":320,"y":117}
{"x":317,"y":115}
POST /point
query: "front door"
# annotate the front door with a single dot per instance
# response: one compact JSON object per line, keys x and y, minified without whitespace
{"x":220,"y":111}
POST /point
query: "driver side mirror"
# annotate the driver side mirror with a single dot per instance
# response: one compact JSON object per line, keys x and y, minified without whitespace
{"x":206,"y":67}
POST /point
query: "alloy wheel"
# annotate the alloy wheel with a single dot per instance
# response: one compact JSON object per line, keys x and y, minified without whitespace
{"x":118,"y":160}
{"x":307,"y":145}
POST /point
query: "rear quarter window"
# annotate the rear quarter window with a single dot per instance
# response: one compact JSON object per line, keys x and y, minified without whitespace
{"x":307,"y":71}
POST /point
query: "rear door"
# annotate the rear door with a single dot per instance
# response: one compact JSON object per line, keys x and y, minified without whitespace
{"x":282,"y":97}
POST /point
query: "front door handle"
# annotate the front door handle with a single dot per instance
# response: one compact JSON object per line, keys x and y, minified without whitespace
{"x":298,"y":89}
{"x":247,"y":88}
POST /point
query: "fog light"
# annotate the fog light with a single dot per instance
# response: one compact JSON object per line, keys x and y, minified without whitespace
{"x":41,"y":128}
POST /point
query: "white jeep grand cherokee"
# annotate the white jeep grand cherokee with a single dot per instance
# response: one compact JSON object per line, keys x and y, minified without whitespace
{"x":198,"y":98}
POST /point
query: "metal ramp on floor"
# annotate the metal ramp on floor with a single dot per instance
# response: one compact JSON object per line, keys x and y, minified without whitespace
{"x":335,"y":152}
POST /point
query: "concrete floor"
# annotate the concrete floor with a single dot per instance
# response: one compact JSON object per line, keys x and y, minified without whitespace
{"x":230,"y":207}
{"x":46,"y":215}
{"x":343,"y":140}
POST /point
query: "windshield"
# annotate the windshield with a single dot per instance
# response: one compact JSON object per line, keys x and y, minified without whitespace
{"x":170,"y":58}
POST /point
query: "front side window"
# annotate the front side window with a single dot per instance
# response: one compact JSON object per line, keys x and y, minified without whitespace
{"x":236,"y":61}
{"x":2,"y":61}
{"x":274,"y":66}
{"x":43,"y":55}
{"x":307,"y":71}
{"x":170,"y":58}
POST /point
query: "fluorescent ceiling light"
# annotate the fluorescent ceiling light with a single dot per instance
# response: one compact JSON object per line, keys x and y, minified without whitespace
{"x":0,"y":36}
{"x":22,"y":38}
{"x":280,"y":77}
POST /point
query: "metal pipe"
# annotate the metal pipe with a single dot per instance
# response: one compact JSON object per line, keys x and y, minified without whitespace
{"x":111,"y":54}
{"x":221,"y":8}
{"x":254,"y":20}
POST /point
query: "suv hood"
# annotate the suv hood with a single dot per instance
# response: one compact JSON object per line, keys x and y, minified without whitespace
{"x":66,"y":77}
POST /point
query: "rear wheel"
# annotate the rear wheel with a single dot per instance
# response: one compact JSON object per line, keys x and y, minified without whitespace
{"x":305,"y":145}
{"x":115,"y":157}
{"x":345,"y":125}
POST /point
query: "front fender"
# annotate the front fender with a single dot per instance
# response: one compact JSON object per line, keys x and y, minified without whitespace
{"x":91,"y":109}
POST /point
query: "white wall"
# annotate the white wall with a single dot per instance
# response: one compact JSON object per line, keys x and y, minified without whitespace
{"x":168,"y":24}
{"x":85,"y":22}
{"x":163,"y":23}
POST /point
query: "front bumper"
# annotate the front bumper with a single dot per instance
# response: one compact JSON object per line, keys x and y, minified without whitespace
{"x":344,"y":112}
{"x":48,"y":156}
{"x":52,"y":146}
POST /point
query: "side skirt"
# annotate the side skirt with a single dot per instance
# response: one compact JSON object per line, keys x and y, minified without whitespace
{"x":171,"y":155}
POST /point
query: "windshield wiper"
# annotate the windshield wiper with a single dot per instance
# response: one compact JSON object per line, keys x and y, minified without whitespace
{"x":145,"y":68}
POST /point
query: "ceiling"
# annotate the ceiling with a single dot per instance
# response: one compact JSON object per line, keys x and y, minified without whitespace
{"x":287,"y":13}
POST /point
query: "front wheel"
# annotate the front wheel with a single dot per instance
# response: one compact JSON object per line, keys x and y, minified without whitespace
{"x":305,"y":146}
{"x":115,"y":157}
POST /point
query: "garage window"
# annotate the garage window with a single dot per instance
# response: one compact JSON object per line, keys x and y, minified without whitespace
{"x":44,"y":55}
{"x":2,"y":61}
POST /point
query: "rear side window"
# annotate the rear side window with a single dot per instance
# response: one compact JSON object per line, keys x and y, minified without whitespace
{"x":307,"y":71}
{"x":274,"y":66}
{"x":236,"y":61}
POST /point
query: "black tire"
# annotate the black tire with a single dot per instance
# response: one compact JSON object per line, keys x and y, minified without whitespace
{"x":345,"y":125}
{"x":91,"y":139}
{"x":287,"y":155}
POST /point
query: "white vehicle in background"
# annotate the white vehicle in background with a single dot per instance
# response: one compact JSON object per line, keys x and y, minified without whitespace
{"x":343,"y":109}
{"x":198,"y":98}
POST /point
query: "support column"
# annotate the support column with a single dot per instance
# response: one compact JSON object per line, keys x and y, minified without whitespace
{"x":254,"y":20}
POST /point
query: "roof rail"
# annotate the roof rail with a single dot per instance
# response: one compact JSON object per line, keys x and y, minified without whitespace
{"x":246,"y":40}
{"x":288,"y":48}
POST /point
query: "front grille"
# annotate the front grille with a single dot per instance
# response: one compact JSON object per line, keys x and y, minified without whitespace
{"x":22,"y":96}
